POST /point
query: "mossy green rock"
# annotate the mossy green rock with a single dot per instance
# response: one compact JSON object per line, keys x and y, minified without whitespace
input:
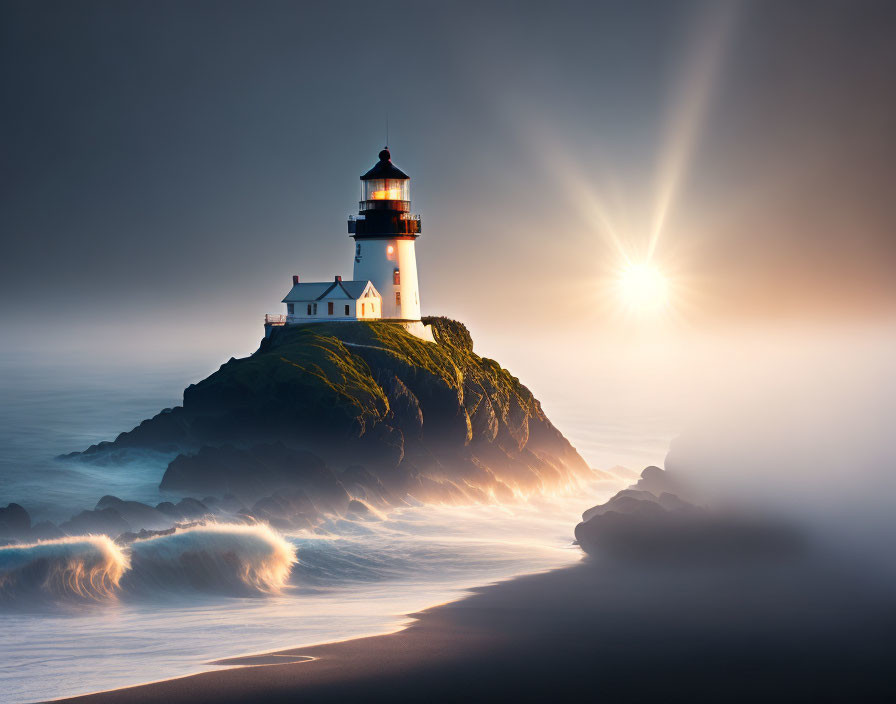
{"x":431,"y":420}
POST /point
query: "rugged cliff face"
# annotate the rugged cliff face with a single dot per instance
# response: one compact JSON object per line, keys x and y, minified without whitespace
{"x":337,"y":411}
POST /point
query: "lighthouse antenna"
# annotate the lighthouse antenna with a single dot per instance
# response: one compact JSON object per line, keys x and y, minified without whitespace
{"x":387,"y":130}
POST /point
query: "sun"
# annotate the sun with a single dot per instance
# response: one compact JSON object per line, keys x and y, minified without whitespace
{"x":643,"y":288}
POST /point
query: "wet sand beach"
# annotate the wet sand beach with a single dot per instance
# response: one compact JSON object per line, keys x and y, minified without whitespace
{"x":796,"y":631}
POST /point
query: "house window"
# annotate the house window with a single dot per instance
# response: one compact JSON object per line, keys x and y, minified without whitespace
{"x":314,"y":309}
{"x":346,"y":310}
{"x":329,"y":307}
{"x":396,"y":277}
{"x":290,"y":308}
{"x":309,"y":309}
{"x":362,"y":309}
{"x":398,"y":298}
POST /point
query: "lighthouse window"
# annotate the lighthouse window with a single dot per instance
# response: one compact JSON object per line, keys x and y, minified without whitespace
{"x":346,"y":310}
{"x":396,"y":277}
{"x":385,"y":189}
{"x":290,"y":308}
{"x":329,"y":307}
{"x":398,"y":298}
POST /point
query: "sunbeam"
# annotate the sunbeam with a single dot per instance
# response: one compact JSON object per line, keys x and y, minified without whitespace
{"x":639,"y":278}
{"x":701,"y":69}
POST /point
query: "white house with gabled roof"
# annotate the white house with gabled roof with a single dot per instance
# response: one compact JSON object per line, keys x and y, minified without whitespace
{"x":329,"y":300}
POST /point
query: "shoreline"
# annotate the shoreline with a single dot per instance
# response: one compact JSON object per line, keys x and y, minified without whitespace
{"x":621,"y":631}
{"x":332,"y":653}
{"x":345,"y":587}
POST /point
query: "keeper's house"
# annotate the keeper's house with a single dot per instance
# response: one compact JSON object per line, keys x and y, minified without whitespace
{"x":330,"y":300}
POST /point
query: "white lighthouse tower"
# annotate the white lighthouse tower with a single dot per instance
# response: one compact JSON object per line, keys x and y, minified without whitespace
{"x":384,"y":232}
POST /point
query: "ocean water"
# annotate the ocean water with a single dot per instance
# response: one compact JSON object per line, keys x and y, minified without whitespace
{"x":153,"y":615}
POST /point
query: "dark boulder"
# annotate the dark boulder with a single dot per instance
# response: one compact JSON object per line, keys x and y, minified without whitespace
{"x":14,"y":521}
{"x":287,"y":509}
{"x":184,"y":510}
{"x":136,"y":514}
{"x":45,"y":531}
{"x":639,"y":525}
{"x":105,"y":521}
{"x":658,"y":481}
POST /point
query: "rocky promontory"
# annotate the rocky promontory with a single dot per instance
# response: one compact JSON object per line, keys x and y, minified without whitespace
{"x":326,"y":413}
{"x":657,"y":519}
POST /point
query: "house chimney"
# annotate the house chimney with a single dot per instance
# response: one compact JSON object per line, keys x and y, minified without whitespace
{"x":338,"y":278}
{"x":295,"y":279}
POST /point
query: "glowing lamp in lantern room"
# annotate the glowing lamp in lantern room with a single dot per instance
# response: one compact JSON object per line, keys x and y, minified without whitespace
{"x":385,"y":189}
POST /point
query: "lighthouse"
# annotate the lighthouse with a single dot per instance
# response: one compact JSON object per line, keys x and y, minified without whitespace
{"x":384,"y":285}
{"x":384,"y":232}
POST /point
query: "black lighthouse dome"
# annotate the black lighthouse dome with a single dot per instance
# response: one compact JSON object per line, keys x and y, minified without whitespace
{"x":384,"y":209}
{"x":385,"y":169}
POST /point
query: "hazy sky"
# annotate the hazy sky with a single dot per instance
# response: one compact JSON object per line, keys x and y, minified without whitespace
{"x":166,"y":160}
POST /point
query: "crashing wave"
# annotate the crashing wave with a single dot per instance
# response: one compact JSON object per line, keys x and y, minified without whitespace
{"x":84,"y":567}
{"x":227,"y":558}
{"x":220,"y":558}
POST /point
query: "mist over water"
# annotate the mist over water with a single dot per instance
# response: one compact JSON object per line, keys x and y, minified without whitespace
{"x":803,"y":433}
{"x":52,"y":407}
{"x":353,"y":579}
{"x":792,"y":422}
{"x":82,"y":614}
